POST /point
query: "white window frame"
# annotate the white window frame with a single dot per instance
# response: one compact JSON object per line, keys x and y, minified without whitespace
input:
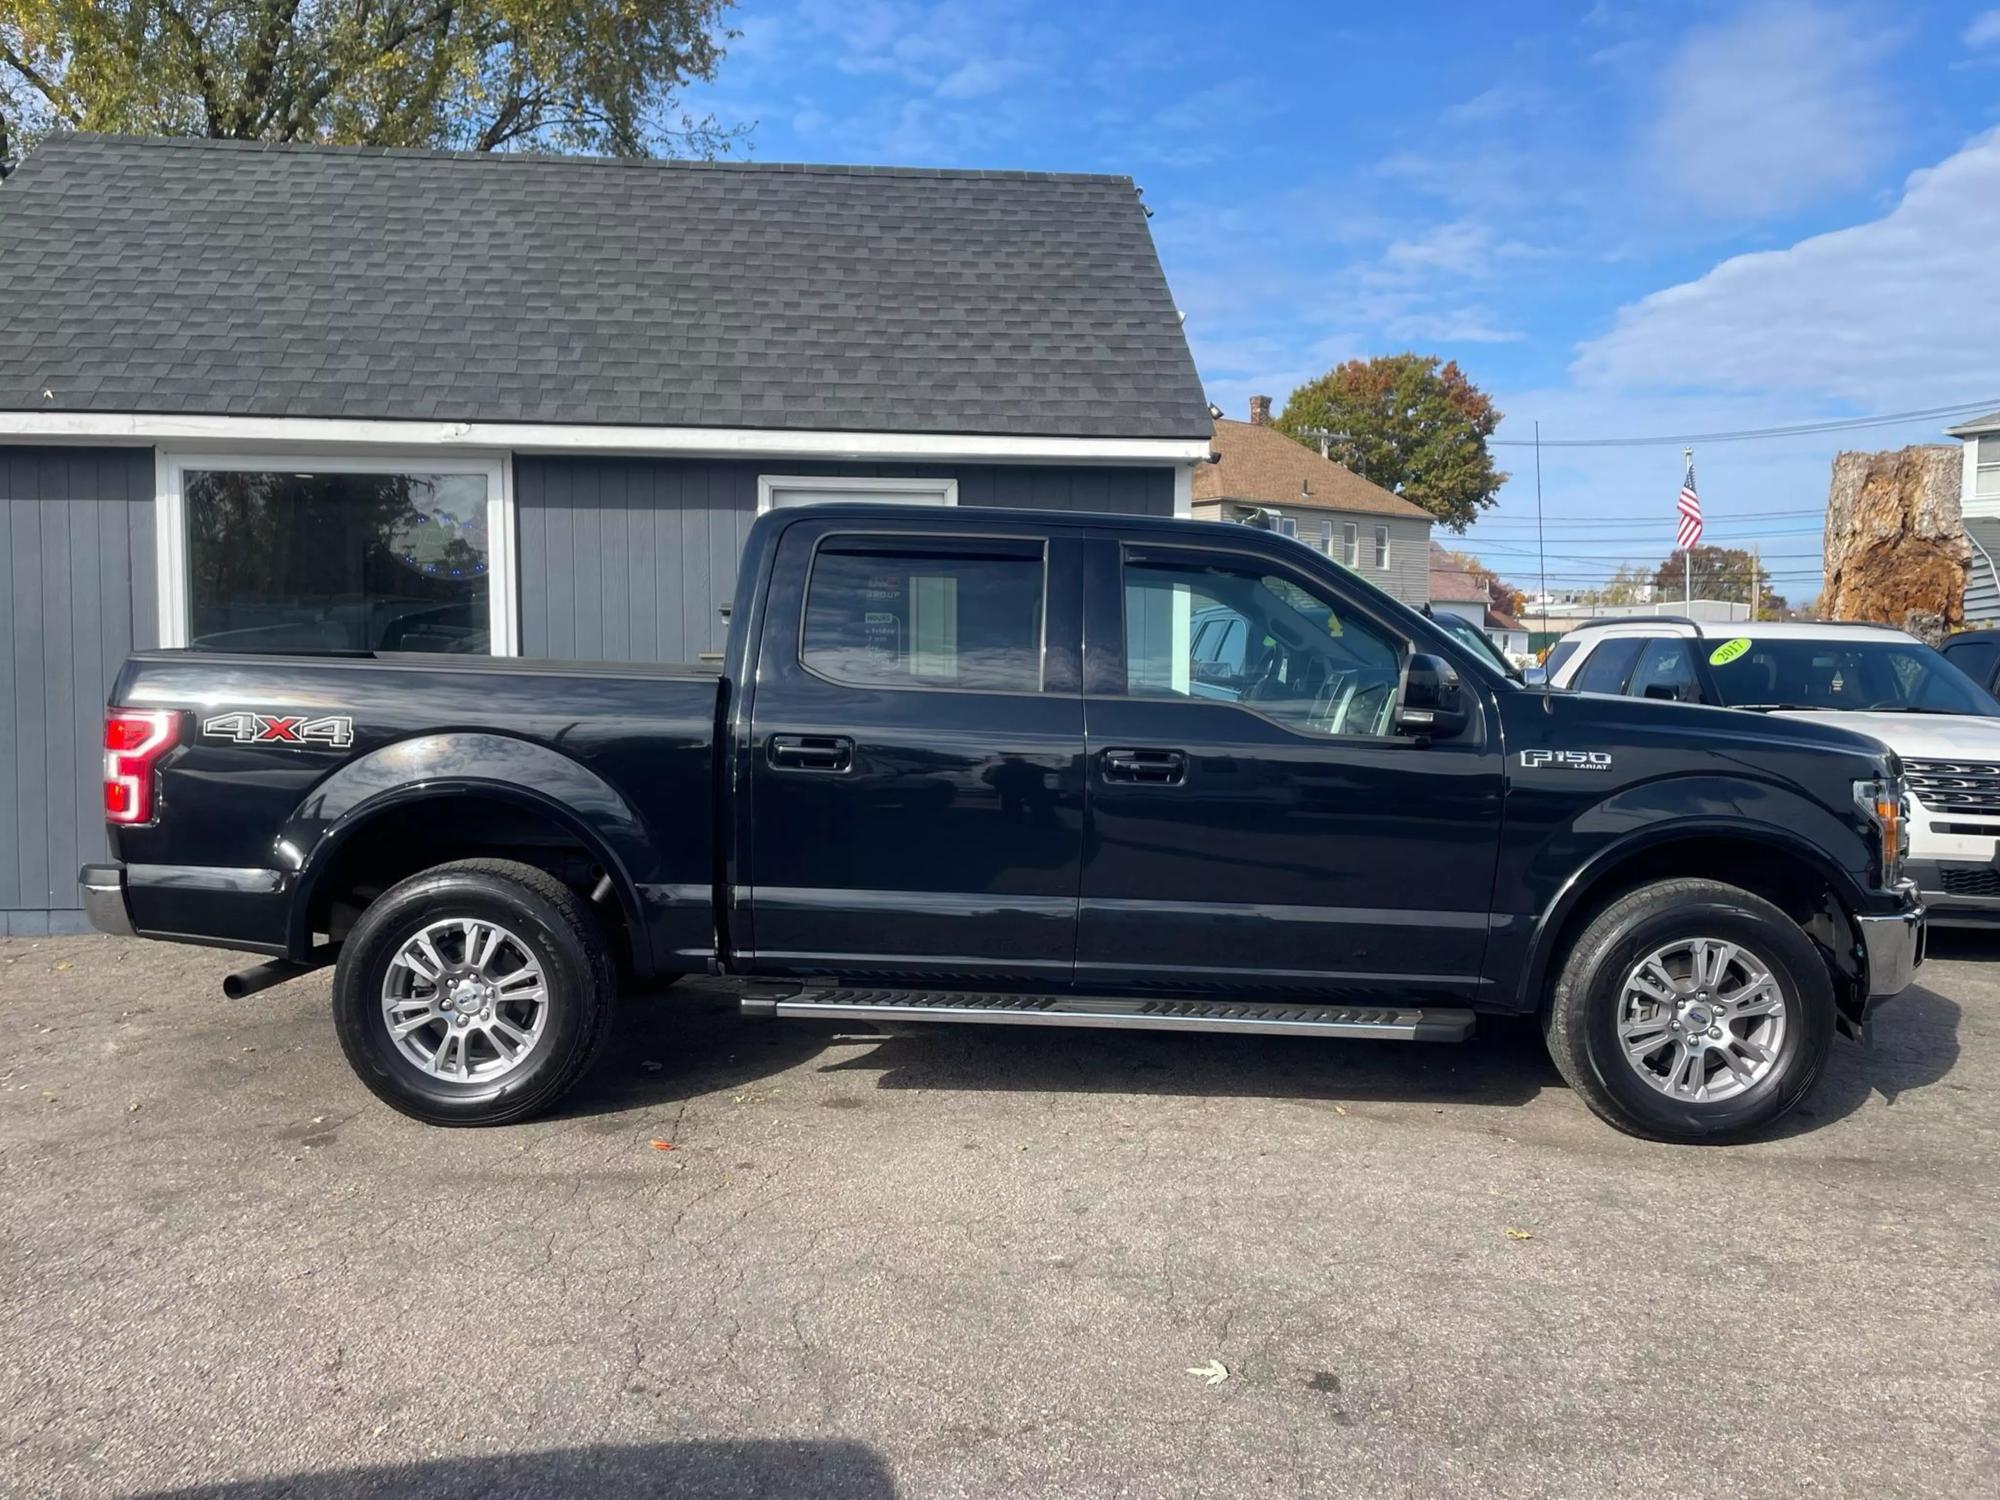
{"x":901,"y":490}
{"x":170,"y":468}
{"x":1382,"y":548}
{"x":1982,"y":465}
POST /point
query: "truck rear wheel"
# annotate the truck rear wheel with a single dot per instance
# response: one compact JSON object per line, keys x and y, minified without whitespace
{"x":1690,"y":1010}
{"x":475,"y":993}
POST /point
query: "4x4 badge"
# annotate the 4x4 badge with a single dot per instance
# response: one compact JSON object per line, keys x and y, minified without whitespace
{"x":281,"y":729}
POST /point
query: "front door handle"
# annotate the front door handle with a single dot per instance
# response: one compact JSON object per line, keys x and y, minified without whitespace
{"x":811,"y":752}
{"x":1146,"y":767}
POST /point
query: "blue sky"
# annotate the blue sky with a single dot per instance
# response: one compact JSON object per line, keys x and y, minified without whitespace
{"x":1621,"y":219}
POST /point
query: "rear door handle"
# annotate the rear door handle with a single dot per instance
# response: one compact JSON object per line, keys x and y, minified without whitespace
{"x":1146,"y":767}
{"x":811,"y":752}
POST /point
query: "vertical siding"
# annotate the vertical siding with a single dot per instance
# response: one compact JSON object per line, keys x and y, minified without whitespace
{"x":77,"y":593}
{"x":631,"y":559}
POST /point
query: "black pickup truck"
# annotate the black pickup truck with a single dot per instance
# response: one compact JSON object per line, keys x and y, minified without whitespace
{"x":1003,"y":766}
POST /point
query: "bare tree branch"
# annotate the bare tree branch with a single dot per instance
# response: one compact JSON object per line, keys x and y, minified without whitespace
{"x":58,"y":97}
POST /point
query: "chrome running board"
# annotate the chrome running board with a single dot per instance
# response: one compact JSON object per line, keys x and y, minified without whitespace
{"x":1266,"y":1017}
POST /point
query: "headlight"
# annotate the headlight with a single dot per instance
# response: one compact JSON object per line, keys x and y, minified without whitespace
{"x":1886,"y":805}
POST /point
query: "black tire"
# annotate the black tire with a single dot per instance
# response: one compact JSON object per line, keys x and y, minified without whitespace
{"x":1580,"y":1022}
{"x":565,"y":938}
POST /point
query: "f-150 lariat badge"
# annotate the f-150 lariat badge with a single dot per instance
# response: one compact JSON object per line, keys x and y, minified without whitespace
{"x":1567,"y":760}
{"x":281,"y":729}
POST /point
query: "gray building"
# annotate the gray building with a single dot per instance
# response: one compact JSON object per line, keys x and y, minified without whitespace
{"x":271,"y":398}
{"x":1383,"y":537}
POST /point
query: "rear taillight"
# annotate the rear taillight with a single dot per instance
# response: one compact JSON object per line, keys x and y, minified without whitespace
{"x":134,"y":741}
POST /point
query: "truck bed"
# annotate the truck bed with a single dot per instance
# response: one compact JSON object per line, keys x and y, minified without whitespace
{"x":624,"y":749}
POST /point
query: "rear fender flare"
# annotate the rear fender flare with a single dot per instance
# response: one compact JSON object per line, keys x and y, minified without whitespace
{"x":434,"y":766}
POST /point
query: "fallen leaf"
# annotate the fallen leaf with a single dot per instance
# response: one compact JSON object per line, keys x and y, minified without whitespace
{"x":662,"y":1145}
{"x":1339,"y":1109}
{"x":132,"y":1108}
{"x":1212,"y":1373}
{"x":1519,"y":1234}
{"x":64,"y":964}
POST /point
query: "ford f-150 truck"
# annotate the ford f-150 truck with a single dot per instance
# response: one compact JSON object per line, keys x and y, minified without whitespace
{"x":982,"y":766}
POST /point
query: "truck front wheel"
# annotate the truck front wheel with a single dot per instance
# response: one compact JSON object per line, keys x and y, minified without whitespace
{"x":475,"y":993}
{"x":1690,"y":1010}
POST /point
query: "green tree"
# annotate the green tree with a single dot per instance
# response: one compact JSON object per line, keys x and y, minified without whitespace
{"x":480,"y":75}
{"x":1411,"y":423}
{"x":1719,"y":573}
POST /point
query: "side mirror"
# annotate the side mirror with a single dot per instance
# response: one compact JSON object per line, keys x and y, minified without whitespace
{"x":1663,"y":691}
{"x":1433,"y":705}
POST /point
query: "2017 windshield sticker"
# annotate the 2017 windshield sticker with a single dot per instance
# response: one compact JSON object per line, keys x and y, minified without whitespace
{"x":1567,"y":760}
{"x":1727,"y":652}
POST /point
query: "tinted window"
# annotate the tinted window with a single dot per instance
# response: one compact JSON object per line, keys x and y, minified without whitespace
{"x":1559,"y":653}
{"x":1268,"y":643}
{"x":337,"y":562}
{"x":1790,"y":672}
{"x":881,"y":612}
{"x":1666,"y":670}
{"x":1975,"y":658}
{"x":1607,"y":667}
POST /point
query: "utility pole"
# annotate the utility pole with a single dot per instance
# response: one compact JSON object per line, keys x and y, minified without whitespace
{"x":1326,"y":437}
{"x":1541,"y":547}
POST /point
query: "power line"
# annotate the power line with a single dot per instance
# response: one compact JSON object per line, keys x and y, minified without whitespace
{"x":1753,"y":434}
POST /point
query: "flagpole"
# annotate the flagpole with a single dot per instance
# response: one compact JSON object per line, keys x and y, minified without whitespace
{"x":1687,"y":553}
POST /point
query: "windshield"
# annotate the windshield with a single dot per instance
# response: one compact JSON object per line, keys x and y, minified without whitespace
{"x":1901,"y":676}
{"x":1469,"y":634}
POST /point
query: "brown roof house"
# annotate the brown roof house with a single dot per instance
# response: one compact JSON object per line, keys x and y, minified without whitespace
{"x":1383,"y":538}
{"x":1455,"y":591}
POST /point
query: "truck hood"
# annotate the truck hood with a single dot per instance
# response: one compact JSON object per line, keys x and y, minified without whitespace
{"x":1916,"y":736}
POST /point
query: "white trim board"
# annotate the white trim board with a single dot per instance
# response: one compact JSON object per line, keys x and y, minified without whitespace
{"x":503,"y":597}
{"x":846,"y":486}
{"x":239,"y":433}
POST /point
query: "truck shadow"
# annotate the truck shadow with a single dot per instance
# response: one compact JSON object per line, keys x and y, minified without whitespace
{"x":604,"y":1471}
{"x":692,"y":1041}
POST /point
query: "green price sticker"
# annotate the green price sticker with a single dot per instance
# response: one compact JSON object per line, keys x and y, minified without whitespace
{"x":1727,"y":652}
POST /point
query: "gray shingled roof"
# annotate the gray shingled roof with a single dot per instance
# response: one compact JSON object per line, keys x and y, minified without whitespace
{"x":240,"y":279}
{"x":1988,"y":423}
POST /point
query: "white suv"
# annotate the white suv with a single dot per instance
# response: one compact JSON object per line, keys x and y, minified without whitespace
{"x":1891,"y":686}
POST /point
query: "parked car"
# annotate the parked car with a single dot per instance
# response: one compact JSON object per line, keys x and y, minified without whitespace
{"x":982,"y":766}
{"x":1881,"y":682}
{"x":1976,"y":653}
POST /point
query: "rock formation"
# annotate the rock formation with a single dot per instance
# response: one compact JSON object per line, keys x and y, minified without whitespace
{"x":1896,"y":551}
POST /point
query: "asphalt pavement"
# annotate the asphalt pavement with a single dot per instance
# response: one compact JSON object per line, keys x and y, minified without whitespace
{"x":973,"y":1261}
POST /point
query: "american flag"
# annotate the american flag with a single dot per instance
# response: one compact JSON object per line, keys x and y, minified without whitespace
{"x":1689,"y":534}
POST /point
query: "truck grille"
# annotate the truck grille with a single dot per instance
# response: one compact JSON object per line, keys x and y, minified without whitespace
{"x":1955,"y":785}
{"x":1977,"y":880}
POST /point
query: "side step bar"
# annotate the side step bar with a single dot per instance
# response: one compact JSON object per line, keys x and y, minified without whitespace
{"x":1269,"y":1017}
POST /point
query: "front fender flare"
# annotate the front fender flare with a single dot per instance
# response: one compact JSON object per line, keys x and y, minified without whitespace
{"x":1789,"y":838}
{"x":454,"y":764}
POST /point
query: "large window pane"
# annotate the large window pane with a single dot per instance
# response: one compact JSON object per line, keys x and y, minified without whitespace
{"x":1221,"y":628}
{"x":899,"y":614}
{"x":337,"y":562}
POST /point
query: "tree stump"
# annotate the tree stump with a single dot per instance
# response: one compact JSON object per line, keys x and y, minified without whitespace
{"x":1896,"y":551}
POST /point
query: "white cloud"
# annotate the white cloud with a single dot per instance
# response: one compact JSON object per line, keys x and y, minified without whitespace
{"x":1771,"y":109}
{"x":1984,"y":30}
{"x":1900,"y":312}
{"x":1496,"y":103}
